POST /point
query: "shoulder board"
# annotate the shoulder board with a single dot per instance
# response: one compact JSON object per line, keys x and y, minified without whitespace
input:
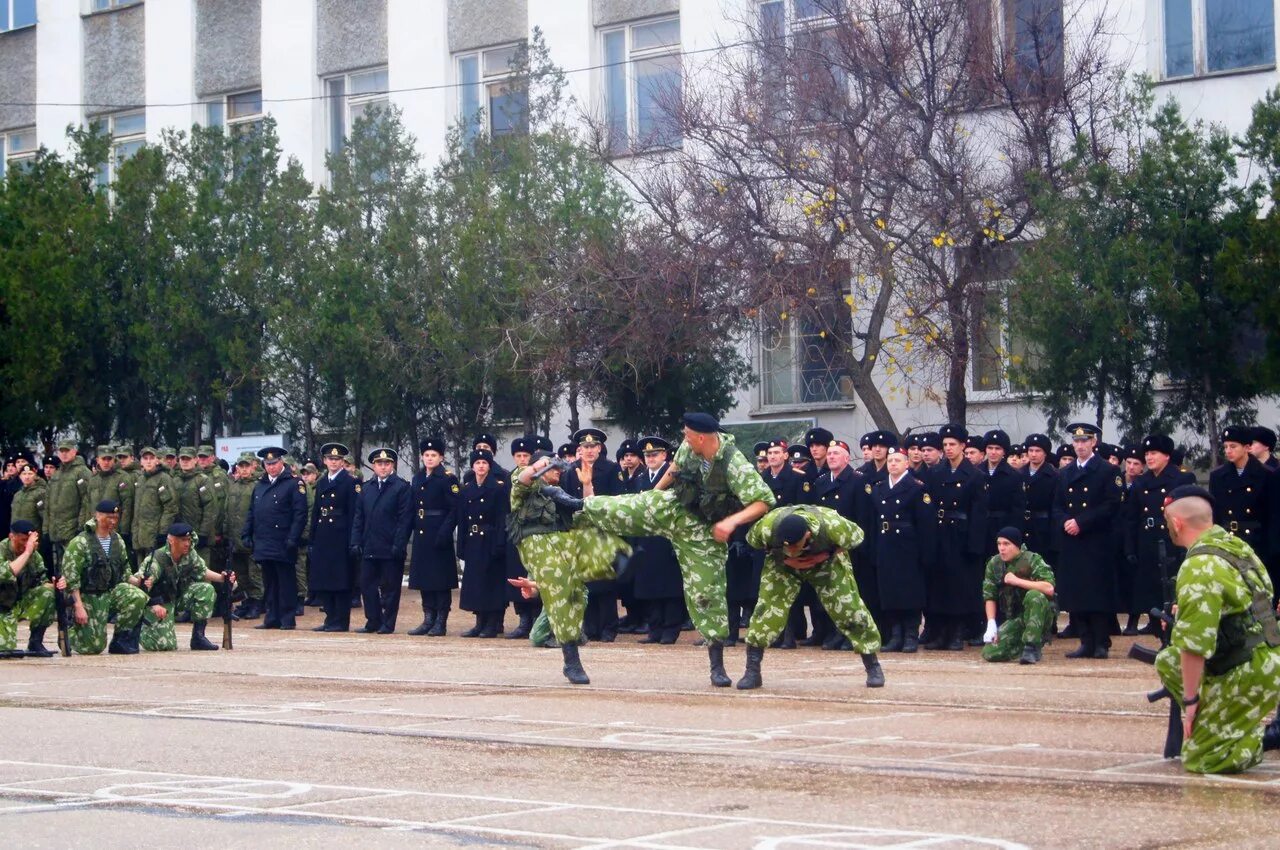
{"x":928,"y":500}
{"x":302,"y":488}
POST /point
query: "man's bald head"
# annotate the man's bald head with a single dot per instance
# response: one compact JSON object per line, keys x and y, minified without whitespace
{"x":1187,"y":519}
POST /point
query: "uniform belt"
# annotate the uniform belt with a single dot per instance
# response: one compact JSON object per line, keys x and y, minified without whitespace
{"x":1036,"y":515}
{"x":952,"y":515}
{"x":885,"y":526}
{"x":1247,"y":525}
{"x":476,"y":529}
{"x":1151,"y":523}
{"x":432,"y":513}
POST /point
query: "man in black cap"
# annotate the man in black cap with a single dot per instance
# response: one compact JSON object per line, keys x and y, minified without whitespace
{"x":761,"y":452}
{"x":1262,"y":445}
{"x":1039,"y":482}
{"x":1021,"y":583}
{"x":1246,"y":497}
{"x":433,"y":568}
{"x":1006,"y":499}
{"x":98,"y":581}
{"x":177,"y":580}
{"x":658,"y":584}
{"x":332,"y":567}
{"x":380,"y":539}
{"x":801,"y":462}
{"x":975,"y":449}
{"x":955,"y":589}
{"x":527,"y":608}
{"x":1084,"y":507}
{"x":847,"y":492}
{"x":26,"y":590}
{"x":880,"y":443}
{"x":272,"y":532}
{"x":497,"y":474}
{"x":1143,"y":520}
{"x":708,"y":491}
{"x":817,"y":440}
{"x":593,"y":475}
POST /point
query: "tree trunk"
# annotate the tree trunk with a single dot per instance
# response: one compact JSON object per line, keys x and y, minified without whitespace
{"x":869,"y":395}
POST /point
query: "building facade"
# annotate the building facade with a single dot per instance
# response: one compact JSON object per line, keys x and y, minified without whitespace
{"x":139,"y":66}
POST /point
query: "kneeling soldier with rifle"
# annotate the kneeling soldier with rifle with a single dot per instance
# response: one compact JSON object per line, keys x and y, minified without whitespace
{"x":96,"y":568}
{"x":1022,"y":583}
{"x":25,"y":591}
{"x":1223,"y":660}
{"x":177,"y":579}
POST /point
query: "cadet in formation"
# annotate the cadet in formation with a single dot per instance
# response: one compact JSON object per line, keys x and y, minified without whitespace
{"x":235,"y":511}
{"x":1019,"y":586}
{"x":330,"y":558}
{"x":26,"y":593}
{"x":272,"y":532}
{"x":433,"y":567}
{"x":177,"y":580}
{"x":102,"y":586}
{"x":809,"y":544}
{"x":155,"y":504}
{"x":380,"y":540}
{"x":1223,"y":659}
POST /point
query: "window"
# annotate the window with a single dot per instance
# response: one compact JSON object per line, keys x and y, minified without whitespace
{"x":642,"y":79}
{"x":1213,"y":36}
{"x":1032,"y":42}
{"x":801,"y":353}
{"x":797,"y":39}
{"x":237,"y":114}
{"x":351,"y":97}
{"x":994,"y":344}
{"x":16,"y":14}
{"x":489,"y":100}
{"x":19,"y":150}
{"x":101,"y":5}
{"x":128,"y":132}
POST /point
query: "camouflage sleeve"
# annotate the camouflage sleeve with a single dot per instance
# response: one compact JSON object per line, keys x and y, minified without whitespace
{"x":518,"y":491}
{"x":745,"y":481}
{"x":681,"y":455}
{"x":144,"y":569}
{"x":74,"y":558}
{"x":1201,"y":580}
{"x":85,"y":493}
{"x":762,"y":531}
{"x":124,"y":493}
{"x":843,"y":532}
{"x":168,"y":505}
{"x":193,"y":569}
{"x":991,"y":578}
{"x":1041,"y":571}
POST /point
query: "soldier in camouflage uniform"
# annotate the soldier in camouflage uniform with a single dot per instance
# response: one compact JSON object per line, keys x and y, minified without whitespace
{"x":29,"y":502}
{"x":111,"y":482}
{"x":560,"y":559}
{"x":197,"y":503}
{"x":69,"y":506}
{"x":25,"y":591}
{"x":1223,"y":659}
{"x":96,"y":569}
{"x":808,"y":544}
{"x":177,"y":580}
{"x":308,"y":474}
{"x":155,"y":504}
{"x":239,"y":498}
{"x":1022,"y":584}
{"x":708,"y":491}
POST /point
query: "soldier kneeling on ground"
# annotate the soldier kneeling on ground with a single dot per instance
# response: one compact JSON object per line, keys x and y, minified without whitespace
{"x":1022,"y":583}
{"x":96,"y":568}
{"x":25,"y":590}
{"x":177,"y":580}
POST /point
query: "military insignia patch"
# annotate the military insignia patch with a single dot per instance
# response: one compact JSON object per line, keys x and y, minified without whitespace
{"x":928,"y":500}
{"x":302,"y":488}
{"x":806,"y":486}
{"x":454,"y":488}
{"x":868,"y":489}
{"x":357,"y":488}
{"x":1119,"y":481}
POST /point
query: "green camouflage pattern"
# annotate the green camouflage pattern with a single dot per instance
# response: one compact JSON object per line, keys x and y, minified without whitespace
{"x":161,"y":635}
{"x":832,"y":580}
{"x":197,"y":505}
{"x":1027,"y":614}
{"x":1227,"y":736}
{"x":69,"y":505}
{"x":238,"y":499}
{"x":33,"y":596}
{"x":701,"y":556}
{"x":30,"y":502}
{"x":124,"y":601}
{"x":116,"y":485}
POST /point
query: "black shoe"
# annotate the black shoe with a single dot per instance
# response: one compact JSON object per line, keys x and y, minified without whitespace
{"x":386,"y":630}
{"x":786,"y":640}
{"x":608,"y":636}
{"x":475,"y":630}
{"x":198,"y":640}
{"x":492,"y":626}
{"x":184,"y":617}
{"x":299,"y":610}
{"x":1101,"y":653}
{"x":910,"y":643}
{"x":1271,"y":735}
{"x":715,"y":654}
{"x":363,"y":630}
{"x":654,"y":636}
{"x":323,"y":628}
{"x":1081,"y":651}
{"x":424,"y":627}
{"x":814,"y":639}
{"x":751,"y":675}
{"x":895,"y":639}
{"x":125,"y":643}
{"x":522,"y":628}
{"x":955,"y":644}
{"x":440,"y":625}
{"x":250,"y":610}
{"x":335,"y":628}
{"x":35,"y":644}
{"x":1030,"y":655}
{"x":573,"y":665}
{"x":267,"y":626}
{"x":669,"y":636}
{"x":1069,"y":631}
{"x":938,"y":642}
{"x":832,"y":641}
{"x":875,"y":673}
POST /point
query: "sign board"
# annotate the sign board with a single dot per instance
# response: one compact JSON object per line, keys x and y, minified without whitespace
{"x":230,"y":448}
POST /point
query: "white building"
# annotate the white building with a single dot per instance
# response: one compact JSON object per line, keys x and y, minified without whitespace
{"x":143,"y":65}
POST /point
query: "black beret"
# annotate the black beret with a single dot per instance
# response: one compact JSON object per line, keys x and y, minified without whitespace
{"x":22,"y":526}
{"x":791,"y":529}
{"x":1158,"y":443}
{"x":180,"y":529}
{"x":107,"y":506}
{"x":701,"y":423}
{"x":1186,"y":490}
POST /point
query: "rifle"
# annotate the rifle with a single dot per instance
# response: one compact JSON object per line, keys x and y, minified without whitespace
{"x":63,"y":613}
{"x":1164,"y":614}
{"x":12,"y":653}
{"x":225,"y":592}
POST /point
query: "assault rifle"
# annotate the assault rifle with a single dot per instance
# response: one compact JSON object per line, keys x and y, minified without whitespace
{"x":1138,"y":652}
{"x":225,"y":593}
{"x":62,"y":609}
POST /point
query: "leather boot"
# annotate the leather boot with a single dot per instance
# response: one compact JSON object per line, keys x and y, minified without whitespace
{"x":475,"y":630}
{"x":654,"y":635}
{"x":1271,"y":734}
{"x":1084,"y":650}
{"x":428,"y":620}
{"x":523,"y":627}
{"x":198,"y":640}
{"x":440,"y":623}
{"x":573,"y":665}
{"x":895,"y":639}
{"x":125,"y":643}
{"x":183,"y":617}
{"x":35,"y":643}
{"x":751,"y":676}
{"x":715,"y":654}
{"x":1030,"y":654}
{"x":786,"y":640}
{"x":875,"y":674}
{"x":670,"y":636}
{"x":493,"y":625}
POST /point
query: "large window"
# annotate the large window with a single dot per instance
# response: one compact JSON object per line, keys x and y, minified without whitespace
{"x":642,"y":84}
{"x":128,"y":133}
{"x":19,"y":149}
{"x":489,"y":100}
{"x":1032,"y":42}
{"x":798,"y":38}
{"x":801,"y":358}
{"x":237,"y":114}
{"x":16,"y":14}
{"x":102,"y":5}
{"x":1214,"y":36}
{"x":351,"y":97}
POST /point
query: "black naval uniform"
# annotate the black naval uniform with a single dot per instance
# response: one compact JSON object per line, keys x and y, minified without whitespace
{"x":272,"y":532}
{"x":433,"y":568}
{"x":1006,"y":502}
{"x":902,"y":540}
{"x":380,"y":533}
{"x":1247,"y":504}
{"x":482,"y":545}
{"x":1037,"y":528}
{"x":1086,"y":571}
{"x":1145,"y":531}
{"x":658,"y":583}
{"x":330,"y":559}
{"x":955,"y":585}
{"x":601,"y":619}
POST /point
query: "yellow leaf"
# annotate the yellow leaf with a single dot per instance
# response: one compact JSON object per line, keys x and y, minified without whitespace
{"x":811,"y":291}
{"x":880,"y":223}
{"x":783,"y":317}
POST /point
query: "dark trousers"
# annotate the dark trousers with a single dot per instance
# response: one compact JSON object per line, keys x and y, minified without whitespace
{"x":437,"y":600}
{"x":280,"y":593}
{"x":601,"y":616}
{"x":380,"y":589}
{"x":337,"y":608}
{"x":665,"y":613}
{"x":1094,"y":627}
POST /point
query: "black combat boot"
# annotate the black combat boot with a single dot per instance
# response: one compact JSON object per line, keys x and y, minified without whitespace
{"x":198,"y":640}
{"x":440,"y":624}
{"x":895,"y":639}
{"x":751,"y":676}
{"x":955,"y":643}
{"x":474,"y":631}
{"x":1271,"y":734}
{"x":183,"y":617}
{"x":493,"y":625}
{"x":428,"y":620}
{"x":560,"y":497}
{"x":715,"y":653}
{"x":875,"y":674}
{"x":125,"y":642}
{"x":35,"y":643}
{"x":522,"y":628}
{"x":573,"y":665}
{"x":1030,"y":654}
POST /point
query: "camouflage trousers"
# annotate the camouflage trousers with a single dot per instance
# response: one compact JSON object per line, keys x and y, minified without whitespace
{"x":161,"y":635}
{"x":562,"y":563}
{"x":248,"y":575}
{"x":1227,"y":737}
{"x":540,"y":632}
{"x":1027,"y":628}
{"x":300,"y":571}
{"x":701,"y":557}
{"x":124,"y":600}
{"x":35,"y":606}
{"x":833,"y":582}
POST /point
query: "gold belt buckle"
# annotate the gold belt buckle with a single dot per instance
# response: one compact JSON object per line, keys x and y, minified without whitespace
{"x":1233,"y":526}
{"x":475,"y":529}
{"x":884,"y":528}
{"x":421,"y":513}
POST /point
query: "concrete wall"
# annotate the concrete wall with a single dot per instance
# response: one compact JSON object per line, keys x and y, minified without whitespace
{"x":289,"y":73}
{"x":114,"y":59}
{"x":481,"y":23}
{"x":418,"y":59}
{"x":228,"y":42}
{"x":605,"y":12}
{"x":18,"y":78}
{"x":350,"y":34}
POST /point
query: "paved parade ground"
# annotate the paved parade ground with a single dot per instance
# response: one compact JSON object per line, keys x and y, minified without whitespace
{"x":302,"y":739}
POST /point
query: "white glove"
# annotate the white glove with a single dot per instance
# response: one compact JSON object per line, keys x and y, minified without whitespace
{"x":989,"y":636}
